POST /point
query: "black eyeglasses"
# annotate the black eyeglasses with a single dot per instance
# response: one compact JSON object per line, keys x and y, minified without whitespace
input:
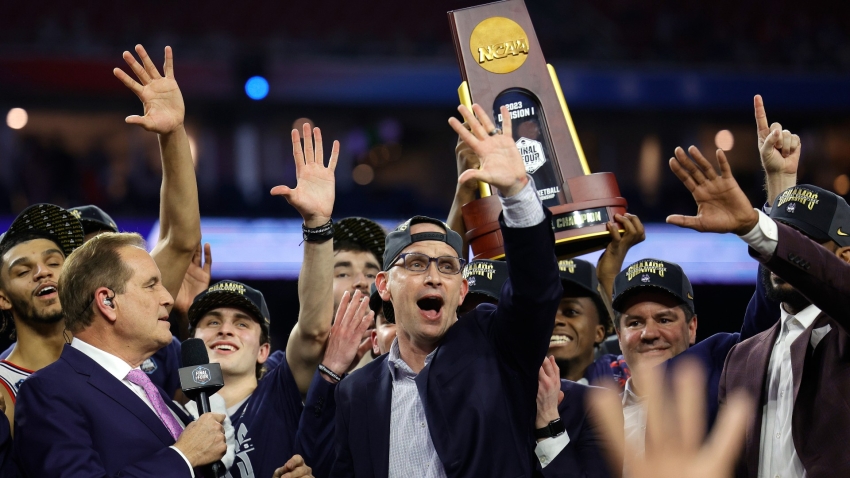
{"x":416,"y":262}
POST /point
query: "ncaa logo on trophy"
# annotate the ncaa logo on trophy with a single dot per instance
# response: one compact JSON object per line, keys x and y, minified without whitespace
{"x":501,"y":65}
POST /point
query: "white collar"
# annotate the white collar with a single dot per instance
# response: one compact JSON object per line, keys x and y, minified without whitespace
{"x":116,"y":367}
{"x":806,"y":316}
{"x":629,"y":395}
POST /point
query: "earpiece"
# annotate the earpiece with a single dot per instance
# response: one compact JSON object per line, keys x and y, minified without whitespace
{"x":107,"y":301}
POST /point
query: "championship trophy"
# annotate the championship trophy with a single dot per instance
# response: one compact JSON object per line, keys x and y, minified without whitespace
{"x":501,"y":64}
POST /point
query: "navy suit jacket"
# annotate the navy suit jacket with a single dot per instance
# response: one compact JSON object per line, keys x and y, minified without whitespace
{"x":480,"y":387}
{"x":74,"y":419}
{"x":584,"y":455}
{"x":762,"y":313}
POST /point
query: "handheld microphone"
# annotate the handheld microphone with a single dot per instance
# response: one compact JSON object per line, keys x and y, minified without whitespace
{"x":199,"y":379}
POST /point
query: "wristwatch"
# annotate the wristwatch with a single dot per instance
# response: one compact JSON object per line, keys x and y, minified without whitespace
{"x":553,"y":429}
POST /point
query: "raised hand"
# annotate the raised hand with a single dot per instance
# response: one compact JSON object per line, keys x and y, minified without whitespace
{"x":721,"y":204}
{"x":501,"y":163}
{"x":675,"y":428}
{"x":346,"y":339}
{"x":196,"y":280}
{"x":549,"y":394}
{"x":778,"y":148}
{"x":611,"y":260}
{"x":313,"y":196}
{"x":160,"y":95}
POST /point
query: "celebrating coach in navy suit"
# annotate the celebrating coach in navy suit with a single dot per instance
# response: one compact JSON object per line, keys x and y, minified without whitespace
{"x":456,"y":397}
{"x":94,"y":412}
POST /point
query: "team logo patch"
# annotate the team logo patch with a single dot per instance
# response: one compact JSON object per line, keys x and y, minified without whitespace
{"x":644,"y":278}
{"x":149,"y":366}
{"x":791,"y":207}
{"x":201,"y":375}
{"x":471,"y":280}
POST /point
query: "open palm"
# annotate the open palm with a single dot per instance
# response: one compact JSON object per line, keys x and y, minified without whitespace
{"x":160,"y":95}
{"x":721,"y":204}
{"x":313,"y":195}
{"x":501,"y":163}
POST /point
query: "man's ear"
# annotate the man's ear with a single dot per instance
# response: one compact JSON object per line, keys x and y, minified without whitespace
{"x":104,"y":304}
{"x":600,"y":335}
{"x":464,"y":289}
{"x":692,"y":330}
{"x":382,"y":284}
{"x":843,"y":253}
{"x":5,"y":303}
{"x":376,"y":350}
{"x":264,"y":352}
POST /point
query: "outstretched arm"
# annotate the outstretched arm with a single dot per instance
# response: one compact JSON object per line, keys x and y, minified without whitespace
{"x":196,"y":280}
{"x":179,"y":216}
{"x":313,"y":198}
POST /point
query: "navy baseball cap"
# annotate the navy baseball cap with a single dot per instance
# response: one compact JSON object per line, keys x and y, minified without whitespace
{"x":378,"y":305}
{"x":49,"y":222}
{"x":820,"y":214}
{"x":486,"y":277}
{"x":93,"y":219}
{"x":229,"y":293}
{"x":653,"y":274}
{"x":401,"y":237}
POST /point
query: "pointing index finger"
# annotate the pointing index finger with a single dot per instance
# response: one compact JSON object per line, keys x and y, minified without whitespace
{"x":761,"y":117}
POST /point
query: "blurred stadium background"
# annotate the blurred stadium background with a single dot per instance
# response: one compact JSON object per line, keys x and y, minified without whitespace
{"x":640,"y":77}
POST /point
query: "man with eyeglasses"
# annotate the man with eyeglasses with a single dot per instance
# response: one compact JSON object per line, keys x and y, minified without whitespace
{"x":456,"y":397}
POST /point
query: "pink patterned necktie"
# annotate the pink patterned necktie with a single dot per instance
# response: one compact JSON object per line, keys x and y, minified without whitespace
{"x":163,"y":412}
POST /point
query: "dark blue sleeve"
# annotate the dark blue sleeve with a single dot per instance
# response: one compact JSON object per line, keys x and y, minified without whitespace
{"x":522,"y":323}
{"x":314,"y":440}
{"x":762,"y":312}
{"x":343,"y":462}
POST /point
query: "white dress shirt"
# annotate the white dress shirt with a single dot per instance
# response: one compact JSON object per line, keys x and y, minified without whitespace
{"x":119,"y":369}
{"x":549,"y":448}
{"x":634,"y":419}
{"x":777,"y":455}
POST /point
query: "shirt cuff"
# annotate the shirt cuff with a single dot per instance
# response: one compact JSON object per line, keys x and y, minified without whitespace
{"x":191,"y":470}
{"x":547,"y":450}
{"x":764,"y":237}
{"x":524,"y":209}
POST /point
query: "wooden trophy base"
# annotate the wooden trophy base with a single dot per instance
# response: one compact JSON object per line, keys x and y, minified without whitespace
{"x":579,"y":226}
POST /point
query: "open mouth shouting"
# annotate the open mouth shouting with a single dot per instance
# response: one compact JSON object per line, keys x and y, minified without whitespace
{"x":431,"y":307}
{"x":224,"y":348}
{"x":46,"y":291}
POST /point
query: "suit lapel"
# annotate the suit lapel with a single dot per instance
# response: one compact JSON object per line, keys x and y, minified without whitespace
{"x":100,"y":379}
{"x":378,"y":410}
{"x":756,"y":372}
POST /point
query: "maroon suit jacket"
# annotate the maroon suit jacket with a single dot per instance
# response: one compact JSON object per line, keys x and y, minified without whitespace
{"x":821,"y":418}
